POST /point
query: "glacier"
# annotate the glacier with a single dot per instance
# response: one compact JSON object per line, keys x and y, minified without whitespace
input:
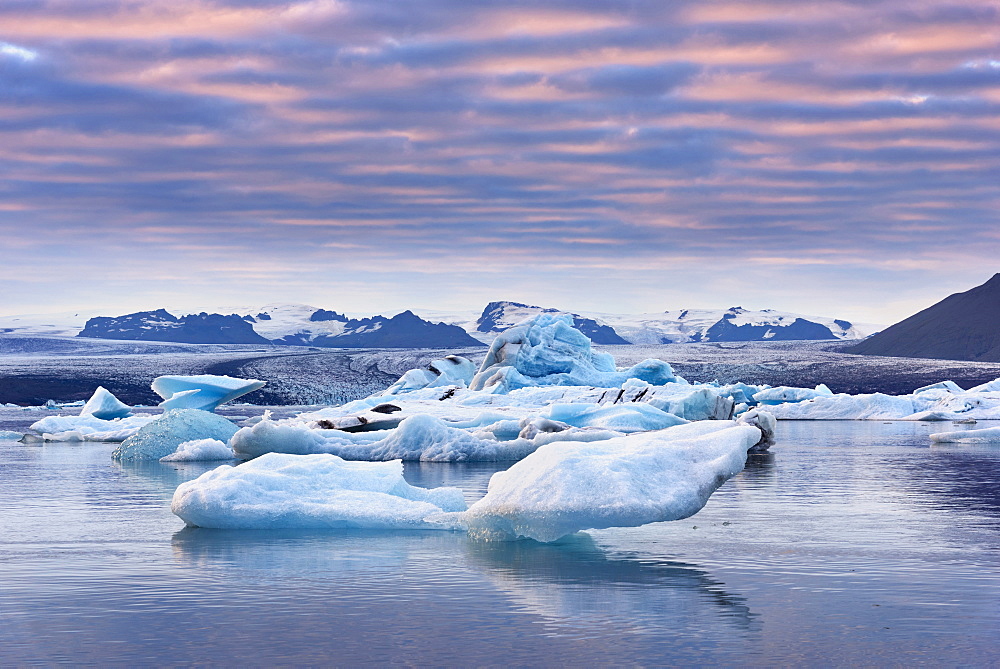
{"x":313,"y":492}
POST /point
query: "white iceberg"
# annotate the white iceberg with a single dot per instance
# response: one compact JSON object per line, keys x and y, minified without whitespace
{"x":204,"y":391}
{"x":782,"y":394}
{"x":102,"y":404}
{"x":162,"y":436}
{"x":624,"y":482}
{"x":313,"y":492}
{"x":200,"y":450}
{"x":988,"y":435}
{"x":90,"y":428}
{"x":949,"y":386}
{"x":452,"y":370}
{"x":419,"y":437}
{"x":624,"y":418}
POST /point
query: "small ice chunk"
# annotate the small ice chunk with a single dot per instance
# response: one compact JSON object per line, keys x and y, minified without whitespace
{"x":162,"y":436}
{"x":278,"y":491}
{"x":200,"y":450}
{"x":989,"y":435}
{"x":102,"y":404}
{"x":204,"y":391}
{"x":783,"y":394}
{"x":13,"y":436}
{"x":623,"y":482}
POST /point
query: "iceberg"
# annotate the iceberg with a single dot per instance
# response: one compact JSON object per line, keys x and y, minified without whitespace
{"x":313,"y":492}
{"x":988,"y":435}
{"x":162,"y":436}
{"x":782,"y":394}
{"x":623,"y":482}
{"x":200,"y":450}
{"x":624,"y":418}
{"x":548,"y":350}
{"x":418,"y":437}
{"x":90,"y":428}
{"x":205,"y":391}
{"x":452,"y":370}
{"x":102,"y":404}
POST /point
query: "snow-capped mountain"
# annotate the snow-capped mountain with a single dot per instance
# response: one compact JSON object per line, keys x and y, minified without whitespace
{"x":676,"y":326}
{"x":161,"y":325}
{"x":306,"y":325}
{"x":288,"y":324}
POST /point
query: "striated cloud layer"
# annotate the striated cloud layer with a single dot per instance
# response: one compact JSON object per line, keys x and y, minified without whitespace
{"x":820,"y":157}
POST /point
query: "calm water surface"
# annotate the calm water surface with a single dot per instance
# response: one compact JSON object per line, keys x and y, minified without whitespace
{"x":853,"y":543}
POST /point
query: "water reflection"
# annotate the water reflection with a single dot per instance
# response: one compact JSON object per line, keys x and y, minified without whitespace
{"x":578,"y":588}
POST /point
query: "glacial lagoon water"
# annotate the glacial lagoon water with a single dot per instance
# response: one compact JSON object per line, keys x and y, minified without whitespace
{"x":852,"y":543}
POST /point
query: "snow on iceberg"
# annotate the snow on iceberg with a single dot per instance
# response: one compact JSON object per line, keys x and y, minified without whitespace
{"x":989,"y":435}
{"x":547,"y":350}
{"x":102,"y":404}
{"x":624,"y":482}
{"x":313,"y":492}
{"x":204,"y":391}
{"x":624,"y":418}
{"x":162,"y":436}
{"x":200,"y":450}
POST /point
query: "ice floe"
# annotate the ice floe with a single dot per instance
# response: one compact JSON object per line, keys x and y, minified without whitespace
{"x":161,"y":437}
{"x":623,"y":482}
{"x":203,"y":391}
{"x":89,"y":428}
{"x":988,"y":435}
{"x":313,"y":492}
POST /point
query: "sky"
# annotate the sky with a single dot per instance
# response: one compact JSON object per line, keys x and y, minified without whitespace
{"x":828,"y":158}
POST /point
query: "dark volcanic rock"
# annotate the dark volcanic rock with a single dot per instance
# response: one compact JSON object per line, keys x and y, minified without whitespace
{"x":963,"y":326}
{"x":161,"y":325}
{"x":405,"y":330}
{"x":321,"y":315}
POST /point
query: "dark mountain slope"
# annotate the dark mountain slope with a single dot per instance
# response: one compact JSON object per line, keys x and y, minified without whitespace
{"x":963,"y":326}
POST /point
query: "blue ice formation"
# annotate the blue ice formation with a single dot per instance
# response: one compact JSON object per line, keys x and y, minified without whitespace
{"x":623,"y":482}
{"x":105,"y":406}
{"x":162,"y":436}
{"x":313,"y":492}
{"x":204,"y":391}
{"x":548,"y":351}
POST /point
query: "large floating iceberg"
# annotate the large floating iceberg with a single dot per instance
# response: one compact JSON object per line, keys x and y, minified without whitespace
{"x":313,"y":492}
{"x":162,"y":436}
{"x":547,"y":350}
{"x":622,"y":482}
{"x":204,"y":391}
